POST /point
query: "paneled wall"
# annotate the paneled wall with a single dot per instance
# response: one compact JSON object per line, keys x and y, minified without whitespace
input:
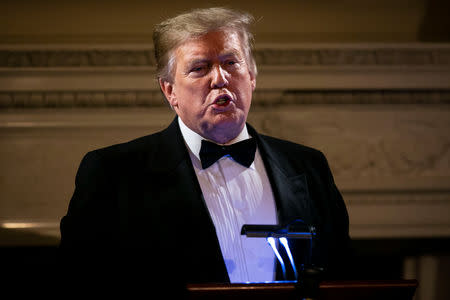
{"x":378,"y":107}
{"x":379,"y":113}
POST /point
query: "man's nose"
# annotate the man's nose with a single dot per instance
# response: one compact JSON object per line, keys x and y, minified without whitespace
{"x":219,"y":77}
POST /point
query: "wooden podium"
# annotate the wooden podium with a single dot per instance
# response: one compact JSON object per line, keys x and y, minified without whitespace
{"x":328,"y":290}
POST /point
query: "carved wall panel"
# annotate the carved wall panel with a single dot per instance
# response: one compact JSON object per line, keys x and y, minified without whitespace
{"x":380,"y":113}
{"x":392,"y":163}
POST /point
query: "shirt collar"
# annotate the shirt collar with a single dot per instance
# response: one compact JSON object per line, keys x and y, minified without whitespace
{"x":194,"y":141}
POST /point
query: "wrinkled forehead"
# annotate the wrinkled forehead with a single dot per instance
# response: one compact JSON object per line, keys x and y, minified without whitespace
{"x":212,"y":44}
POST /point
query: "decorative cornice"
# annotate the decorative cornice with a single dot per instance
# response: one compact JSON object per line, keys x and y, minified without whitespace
{"x":419,"y":55}
{"x":353,"y":57}
{"x":75,"y":58}
{"x":71,"y":99}
{"x":272,"y":98}
{"x":104,"y":76}
{"x":262,"y":98}
{"x":403,"y":198}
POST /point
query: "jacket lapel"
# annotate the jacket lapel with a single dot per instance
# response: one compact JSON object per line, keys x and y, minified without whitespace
{"x":289,"y":183}
{"x":186,"y":215}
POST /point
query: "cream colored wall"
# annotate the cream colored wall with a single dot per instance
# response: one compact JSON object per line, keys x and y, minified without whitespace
{"x":44,"y":73}
{"x":281,"y":21}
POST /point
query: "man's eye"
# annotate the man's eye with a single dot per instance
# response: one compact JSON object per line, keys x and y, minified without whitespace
{"x":196,"y":69}
{"x":231,"y":62}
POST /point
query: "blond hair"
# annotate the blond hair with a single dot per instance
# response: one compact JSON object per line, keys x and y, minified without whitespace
{"x":171,"y":33}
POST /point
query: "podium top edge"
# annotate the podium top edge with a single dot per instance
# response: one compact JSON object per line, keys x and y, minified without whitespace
{"x":404,"y":283}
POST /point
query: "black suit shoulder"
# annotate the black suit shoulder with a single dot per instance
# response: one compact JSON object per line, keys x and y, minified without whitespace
{"x":131,"y":150}
{"x":96,"y":184}
{"x":298,"y":155}
{"x":289,"y":147}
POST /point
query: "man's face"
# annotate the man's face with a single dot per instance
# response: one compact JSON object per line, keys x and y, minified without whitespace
{"x":212,"y":86}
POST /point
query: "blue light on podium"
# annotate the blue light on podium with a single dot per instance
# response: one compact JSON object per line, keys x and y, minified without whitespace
{"x":294,"y":230}
{"x":272,"y":244}
{"x":285,"y":244}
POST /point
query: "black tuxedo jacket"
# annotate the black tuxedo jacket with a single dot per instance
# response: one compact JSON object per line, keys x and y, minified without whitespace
{"x":139,"y":206}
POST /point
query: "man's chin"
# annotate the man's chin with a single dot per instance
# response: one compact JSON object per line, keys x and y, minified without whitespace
{"x":223,"y":129}
{"x":228,"y":121}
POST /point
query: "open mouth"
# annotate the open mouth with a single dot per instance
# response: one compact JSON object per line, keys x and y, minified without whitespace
{"x":222,"y":100}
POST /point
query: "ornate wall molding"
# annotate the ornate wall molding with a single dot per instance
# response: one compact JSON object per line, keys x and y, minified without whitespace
{"x":295,"y":55}
{"x":405,"y":197}
{"x":382,"y":121}
{"x":31,"y":76}
{"x":331,"y":56}
{"x":75,"y":58}
{"x":262,"y":98}
{"x":87,"y":99}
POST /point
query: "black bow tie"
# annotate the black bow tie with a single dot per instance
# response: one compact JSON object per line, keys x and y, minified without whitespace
{"x":242,"y":152}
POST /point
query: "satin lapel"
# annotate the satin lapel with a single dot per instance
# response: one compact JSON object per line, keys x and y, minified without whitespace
{"x":289,"y":184}
{"x":290,"y":189}
{"x":181,"y":199}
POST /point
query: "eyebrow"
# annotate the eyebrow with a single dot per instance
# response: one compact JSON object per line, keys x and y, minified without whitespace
{"x":234,"y":53}
{"x":197,"y":61}
{"x":221,"y":57}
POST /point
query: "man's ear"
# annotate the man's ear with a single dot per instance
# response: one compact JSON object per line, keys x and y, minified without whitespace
{"x":168,"y":90}
{"x":253,"y":80}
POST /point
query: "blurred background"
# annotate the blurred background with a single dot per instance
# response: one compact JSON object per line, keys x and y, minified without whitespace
{"x":367,"y":82}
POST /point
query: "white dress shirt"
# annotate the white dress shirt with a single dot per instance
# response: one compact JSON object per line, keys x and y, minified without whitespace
{"x":236,"y":195}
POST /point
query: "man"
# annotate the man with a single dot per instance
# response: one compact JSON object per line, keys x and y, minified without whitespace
{"x":172,"y":204}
